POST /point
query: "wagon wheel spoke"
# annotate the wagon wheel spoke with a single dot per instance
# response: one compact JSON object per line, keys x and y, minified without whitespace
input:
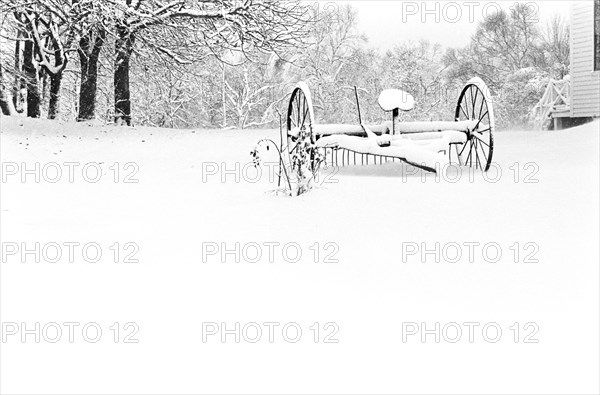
{"x":298,"y":108}
{"x":481,"y":107}
{"x":463,"y":148}
{"x":477,"y":154}
{"x":483,"y":152}
{"x":466,"y":105}
{"x":484,"y":145}
{"x":458,"y":155}
{"x":481,"y":119}
{"x":481,"y":140}
{"x":292,"y":116}
{"x":471,"y":96}
{"x":470,"y":156}
{"x":470,"y":151}
{"x":305,"y":113}
{"x":475,"y":101}
{"x":466,"y":115}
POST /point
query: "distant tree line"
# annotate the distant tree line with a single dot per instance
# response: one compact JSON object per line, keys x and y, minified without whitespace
{"x":233,"y":63}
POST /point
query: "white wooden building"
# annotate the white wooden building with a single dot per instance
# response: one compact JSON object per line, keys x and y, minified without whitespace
{"x":585,"y":59}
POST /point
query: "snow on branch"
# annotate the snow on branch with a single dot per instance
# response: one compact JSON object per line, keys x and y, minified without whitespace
{"x":52,"y":31}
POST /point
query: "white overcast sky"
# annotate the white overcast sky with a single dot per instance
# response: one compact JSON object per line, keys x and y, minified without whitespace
{"x":382,"y":21}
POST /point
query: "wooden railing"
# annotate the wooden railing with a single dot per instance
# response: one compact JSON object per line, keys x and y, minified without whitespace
{"x":556,"y":99}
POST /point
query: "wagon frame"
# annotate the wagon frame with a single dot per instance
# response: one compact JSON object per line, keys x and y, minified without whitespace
{"x":426,"y":145}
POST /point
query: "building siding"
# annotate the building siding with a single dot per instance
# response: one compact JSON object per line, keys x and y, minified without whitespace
{"x":585,"y":82}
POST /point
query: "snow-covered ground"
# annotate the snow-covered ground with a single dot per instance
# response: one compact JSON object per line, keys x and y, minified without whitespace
{"x":371,"y":215}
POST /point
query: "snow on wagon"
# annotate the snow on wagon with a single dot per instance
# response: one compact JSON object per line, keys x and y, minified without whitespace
{"x":467,"y":140}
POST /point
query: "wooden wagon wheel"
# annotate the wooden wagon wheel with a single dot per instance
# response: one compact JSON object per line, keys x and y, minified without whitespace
{"x":475,"y":103}
{"x":300,"y":128}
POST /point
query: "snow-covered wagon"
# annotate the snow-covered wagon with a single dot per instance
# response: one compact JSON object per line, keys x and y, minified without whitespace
{"x":466,"y":140}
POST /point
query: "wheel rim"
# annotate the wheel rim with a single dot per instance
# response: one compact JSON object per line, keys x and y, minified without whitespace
{"x":300,"y":119}
{"x":475,"y":103}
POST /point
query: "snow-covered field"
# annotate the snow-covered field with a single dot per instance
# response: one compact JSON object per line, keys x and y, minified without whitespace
{"x":181,"y":208}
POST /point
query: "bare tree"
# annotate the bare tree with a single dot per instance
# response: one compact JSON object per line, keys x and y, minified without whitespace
{"x":20,"y":84}
{"x":6,"y":104}
{"x":30,"y":71}
{"x":556,"y":45}
{"x":40,"y":55}
{"x":50,"y":51}
{"x":334,"y":43}
{"x":245,"y":95}
{"x":90,"y":45}
{"x":215,"y":26}
{"x":417,"y":68}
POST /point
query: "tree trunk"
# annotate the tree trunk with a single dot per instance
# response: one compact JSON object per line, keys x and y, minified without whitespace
{"x":60,"y":61}
{"x":6,"y":105}
{"x":54,"y":106}
{"x":88,"y":58}
{"x":19,"y":84}
{"x":123,"y":48}
{"x":87,"y":88}
{"x":43,"y":78}
{"x":44,"y":81}
{"x":31,"y":76}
